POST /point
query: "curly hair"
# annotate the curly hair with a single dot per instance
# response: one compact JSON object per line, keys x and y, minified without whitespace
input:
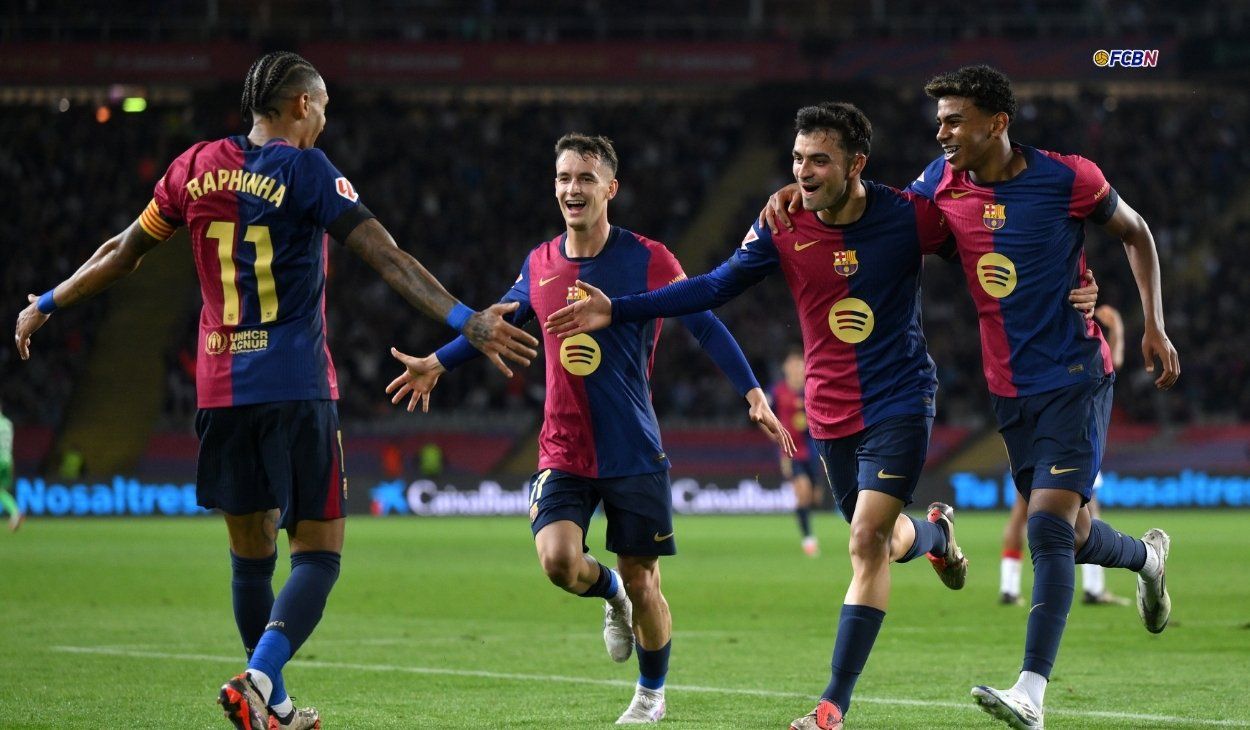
{"x":988,"y":88}
{"x":271,"y":74}
{"x":586,"y":146}
{"x":845,"y":119}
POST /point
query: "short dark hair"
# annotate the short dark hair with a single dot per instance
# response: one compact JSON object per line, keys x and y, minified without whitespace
{"x":837,"y":116}
{"x":988,"y":88}
{"x":587,"y":146}
{"x":269,"y":76}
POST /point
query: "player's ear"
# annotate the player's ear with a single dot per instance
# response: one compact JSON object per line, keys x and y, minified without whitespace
{"x":613,"y":186}
{"x":858,"y":161}
{"x":998,"y":124}
{"x":301,"y":105}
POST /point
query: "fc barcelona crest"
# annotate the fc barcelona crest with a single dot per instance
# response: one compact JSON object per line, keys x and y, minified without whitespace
{"x":574,"y":295}
{"x":845,"y":263}
{"x":995,"y":216}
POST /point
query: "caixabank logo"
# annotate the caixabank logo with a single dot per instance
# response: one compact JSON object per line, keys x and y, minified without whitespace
{"x":1126,"y":58}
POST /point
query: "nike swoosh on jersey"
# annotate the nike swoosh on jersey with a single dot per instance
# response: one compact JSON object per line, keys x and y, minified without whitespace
{"x":882,"y":475}
{"x":957,"y":194}
{"x":661,"y":538}
{"x":800,"y":246}
{"x":548,"y":280}
{"x":1057,"y":471}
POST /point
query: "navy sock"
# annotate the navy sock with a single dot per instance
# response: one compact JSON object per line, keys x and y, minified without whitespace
{"x":295,"y":614}
{"x":1109,"y":548}
{"x":857,"y":631}
{"x":251,"y":587}
{"x":605,"y":586}
{"x":930,"y":538}
{"x":652,"y":665}
{"x":1052,"y":541}
{"x":805,"y":520}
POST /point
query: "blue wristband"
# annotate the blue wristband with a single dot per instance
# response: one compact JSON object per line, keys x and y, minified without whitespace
{"x":459,"y":316}
{"x":46,"y":303}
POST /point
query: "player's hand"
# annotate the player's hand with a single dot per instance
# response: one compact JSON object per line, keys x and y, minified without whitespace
{"x":763,"y":416}
{"x":419,"y":378}
{"x":1155,"y":343}
{"x":489,"y":332}
{"x":587,"y":315}
{"x":1085,"y":299}
{"x":781,"y":205}
{"x":28,"y":321}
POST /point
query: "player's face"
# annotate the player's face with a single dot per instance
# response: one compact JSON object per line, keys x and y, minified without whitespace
{"x":823,"y":169}
{"x":966,"y":132}
{"x":584,"y":185}
{"x":792,"y":368}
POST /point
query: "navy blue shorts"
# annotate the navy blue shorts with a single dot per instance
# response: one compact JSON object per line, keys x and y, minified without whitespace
{"x":808,"y":467}
{"x":1055,"y":440}
{"x":286,"y":455}
{"x":885,"y":457}
{"x":639,"y":509}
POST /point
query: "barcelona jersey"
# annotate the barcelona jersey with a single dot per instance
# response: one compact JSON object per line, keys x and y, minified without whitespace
{"x":257,"y":218}
{"x":598,"y":418}
{"x":857,"y":291}
{"x":1021,"y":243}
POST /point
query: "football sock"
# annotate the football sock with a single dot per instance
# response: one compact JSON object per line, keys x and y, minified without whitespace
{"x":295,"y":614}
{"x":606,"y":586}
{"x":652,"y":665}
{"x":1033,"y":686}
{"x":857,"y":631}
{"x":1052,"y":542}
{"x":930,"y":538}
{"x":1093,"y":579}
{"x":1009,"y":573}
{"x":283,"y":709}
{"x":1105,"y":546}
{"x":805,"y":520}
{"x":251,"y":587}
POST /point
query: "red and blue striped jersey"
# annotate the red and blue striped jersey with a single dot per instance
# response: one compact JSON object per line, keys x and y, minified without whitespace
{"x":257,"y":218}
{"x":598,"y":417}
{"x":788,"y":405}
{"x":1021,"y":242}
{"x":857,"y":291}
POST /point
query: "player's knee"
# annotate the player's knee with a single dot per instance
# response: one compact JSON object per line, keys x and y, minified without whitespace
{"x":642,"y":582}
{"x":561,"y":568}
{"x":869,"y":543}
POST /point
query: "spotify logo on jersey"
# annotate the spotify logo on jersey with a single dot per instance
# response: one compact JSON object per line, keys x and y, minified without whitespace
{"x":580,"y":355}
{"x":851,"y":320}
{"x":997,"y":275}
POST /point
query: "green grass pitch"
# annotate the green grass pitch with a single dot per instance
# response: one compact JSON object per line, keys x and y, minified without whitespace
{"x":449,"y":623}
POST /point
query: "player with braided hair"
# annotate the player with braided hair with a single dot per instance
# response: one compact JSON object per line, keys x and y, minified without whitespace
{"x":258,"y":207}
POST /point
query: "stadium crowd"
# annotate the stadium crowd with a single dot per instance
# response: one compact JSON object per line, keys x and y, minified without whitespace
{"x":466,"y":187}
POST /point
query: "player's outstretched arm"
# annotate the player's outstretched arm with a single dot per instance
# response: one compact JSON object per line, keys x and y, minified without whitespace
{"x":112,"y":261}
{"x":420,"y":376}
{"x":586,"y":315}
{"x":781,"y":205}
{"x":762,"y":415}
{"x":487,"y":330}
{"x":1139,"y":244}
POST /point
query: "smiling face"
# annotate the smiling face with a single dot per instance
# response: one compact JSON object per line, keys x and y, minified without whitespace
{"x":969,"y":135}
{"x":824,"y":169}
{"x":584,"y":185}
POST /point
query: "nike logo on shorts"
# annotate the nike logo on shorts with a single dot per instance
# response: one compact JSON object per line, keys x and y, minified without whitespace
{"x":882,"y":475}
{"x":661,"y":538}
{"x":1057,"y":471}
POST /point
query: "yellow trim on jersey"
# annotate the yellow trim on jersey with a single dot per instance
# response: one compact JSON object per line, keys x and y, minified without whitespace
{"x":152,"y":222}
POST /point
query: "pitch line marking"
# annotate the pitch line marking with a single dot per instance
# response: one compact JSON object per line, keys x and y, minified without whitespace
{"x":318,"y":664}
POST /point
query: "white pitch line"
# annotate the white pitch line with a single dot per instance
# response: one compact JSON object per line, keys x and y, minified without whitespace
{"x":318,"y":664}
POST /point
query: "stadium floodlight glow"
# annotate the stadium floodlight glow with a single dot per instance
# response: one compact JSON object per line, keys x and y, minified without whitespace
{"x":134,"y":104}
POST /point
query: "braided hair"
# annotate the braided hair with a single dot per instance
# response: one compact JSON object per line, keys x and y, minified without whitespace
{"x":271,"y":74}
